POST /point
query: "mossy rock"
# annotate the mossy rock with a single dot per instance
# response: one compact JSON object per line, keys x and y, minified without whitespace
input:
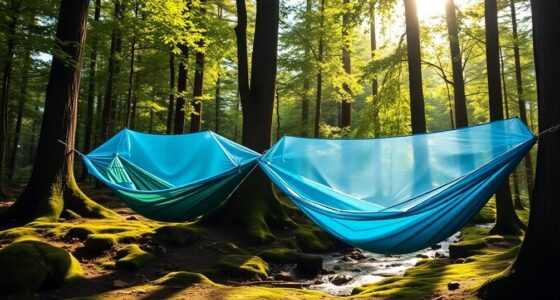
{"x":182,"y":279}
{"x":18,"y":233}
{"x":177,"y":235}
{"x":314,"y":240}
{"x":99,"y":242}
{"x":79,"y":232}
{"x":244,"y":266}
{"x":279,"y":255}
{"x":30,"y":266}
{"x":132,"y":258}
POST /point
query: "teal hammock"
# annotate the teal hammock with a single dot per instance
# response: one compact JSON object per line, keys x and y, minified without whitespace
{"x":388,"y":195}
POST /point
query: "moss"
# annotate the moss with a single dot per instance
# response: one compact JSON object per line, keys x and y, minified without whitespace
{"x":279,"y":255}
{"x":132,"y":258}
{"x":99,"y":242}
{"x":182,"y":279}
{"x":79,"y":232}
{"x":244,"y":266}
{"x":30,"y":266}
{"x":177,"y":235}
{"x":314,"y":240}
{"x":486,"y":215}
{"x":229,"y":248}
{"x":126,"y":233}
{"x":18,"y":233}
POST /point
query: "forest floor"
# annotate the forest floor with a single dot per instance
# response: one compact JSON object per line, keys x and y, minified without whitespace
{"x":191,"y":261}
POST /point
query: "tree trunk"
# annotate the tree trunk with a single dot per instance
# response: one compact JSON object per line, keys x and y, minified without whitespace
{"x":461,"y":118}
{"x":346,"y":105}
{"x":534,"y":274}
{"x":88,"y":138}
{"x":136,"y":89}
{"x":374,"y":82}
{"x":52,"y":187}
{"x":11,"y":25}
{"x":109,"y":105}
{"x":254,"y":205}
{"x":305,"y":73}
{"x":128,"y":108}
{"x":179,"y":126}
{"x":171,"y":105}
{"x":218,"y":105}
{"x":417,"y":113}
{"x":520,"y":95}
{"x":517,"y":204}
{"x":319,"y":92}
{"x":507,"y":221}
{"x":198,"y":90}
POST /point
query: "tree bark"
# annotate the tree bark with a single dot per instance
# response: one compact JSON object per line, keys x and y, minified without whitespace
{"x":520,"y":95}
{"x":417,"y":113}
{"x":346,"y":105}
{"x":171,"y":105}
{"x":109,"y":105}
{"x":11,"y":25}
{"x":305,"y":73}
{"x":88,"y":138}
{"x":507,"y":221}
{"x":182,"y":77}
{"x":52,"y":187}
{"x":534,"y":274}
{"x":128,"y":106}
{"x":319,"y":92}
{"x":374,"y":82}
{"x":461,"y":118}
{"x":218,"y":101}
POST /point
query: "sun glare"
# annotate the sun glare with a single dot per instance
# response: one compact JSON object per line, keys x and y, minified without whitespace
{"x":430,"y":8}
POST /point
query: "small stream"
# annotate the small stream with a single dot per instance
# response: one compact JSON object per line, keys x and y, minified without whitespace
{"x":371,"y":267}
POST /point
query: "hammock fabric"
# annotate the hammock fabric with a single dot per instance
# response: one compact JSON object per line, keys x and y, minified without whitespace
{"x":389,"y":195}
{"x":171,"y":177}
{"x":401,"y":194}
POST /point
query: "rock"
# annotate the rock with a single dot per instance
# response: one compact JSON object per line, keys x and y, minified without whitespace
{"x":279,"y":256}
{"x":453,"y":285}
{"x":182,"y":279}
{"x":336,"y":268}
{"x":133,"y":218}
{"x":98,"y":243}
{"x":460,"y":260}
{"x":132,"y":258}
{"x":309,"y":265}
{"x":318,"y":281}
{"x":314,"y":240}
{"x":356,"y":270}
{"x":27,"y":266}
{"x":440,"y":255}
{"x":177,"y":235}
{"x":435,"y":247}
{"x":357,"y":255}
{"x":244,"y":266}
{"x":346,"y":259}
{"x":422,"y":255}
{"x":283,"y":276}
{"x":119,"y":284}
{"x":341,"y":279}
{"x":327,"y":272}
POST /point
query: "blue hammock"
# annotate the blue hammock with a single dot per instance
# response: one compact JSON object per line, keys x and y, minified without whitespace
{"x":400,"y":194}
{"x":171,"y":177}
{"x":390,"y":195}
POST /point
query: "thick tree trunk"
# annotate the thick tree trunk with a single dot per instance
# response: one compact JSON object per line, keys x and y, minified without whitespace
{"x":182,"y":77}
{"x":88,"y":138}
{"x":534,"y":274}
{"x":52,"y":187}
{"x":305,"y":73}
{"x":507,"y":221}
{"x":319,"y":92}
{"x":417,"y":113}
{"x":109,"y":105}
{"x":461,"y":118}
{"x":11,"y":25}
{"x":169,"y":128}
{"x":254,"y":205}
{"x":520,"y":96}
{"x":346,"y":105}
{"x":374,"y":82}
